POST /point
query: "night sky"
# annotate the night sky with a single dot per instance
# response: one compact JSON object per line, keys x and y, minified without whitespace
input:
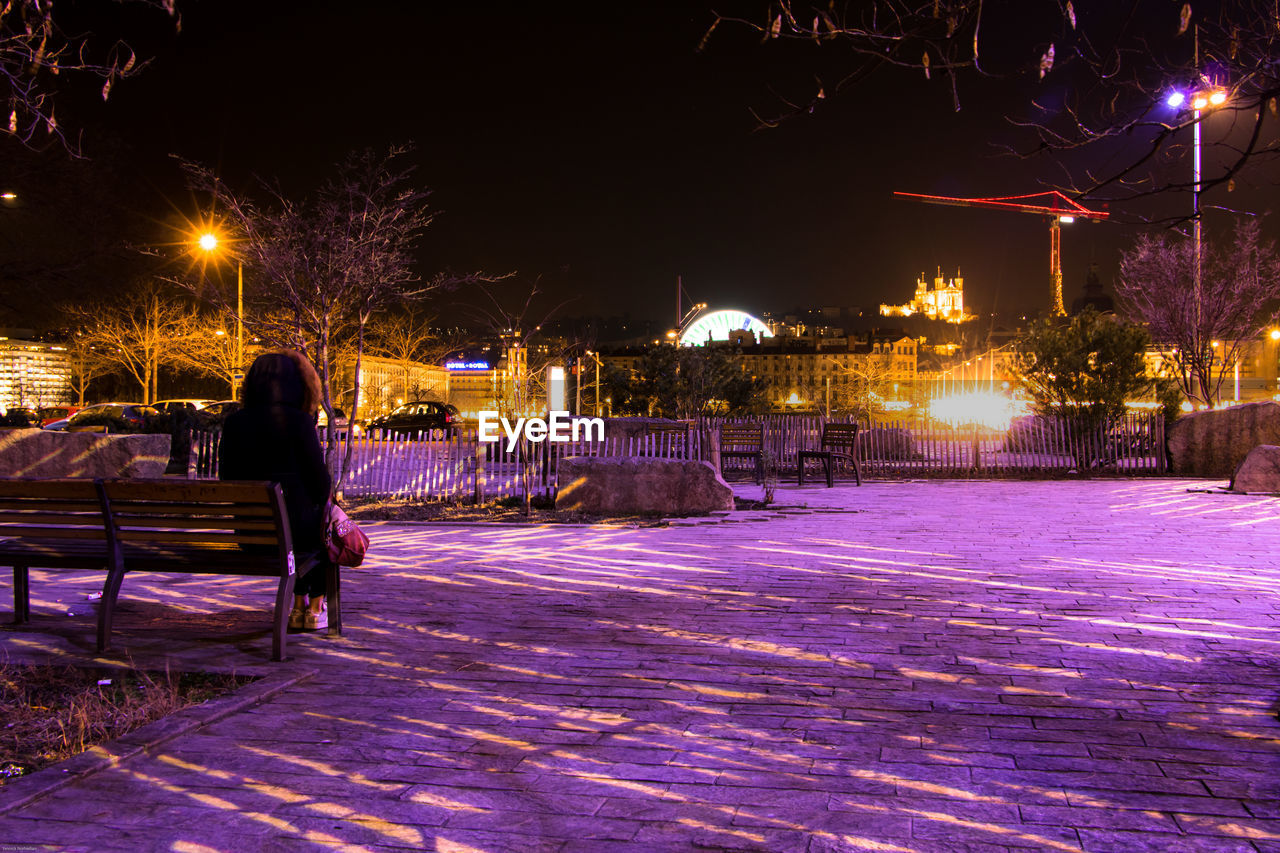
{"x":593,"y":148}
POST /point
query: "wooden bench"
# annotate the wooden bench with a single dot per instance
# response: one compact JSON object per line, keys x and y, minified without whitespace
{"x":672,"y":436}
{"x":743,"y":441}
{"x":52,"y":524}
{"x":839,"y":442}
{"x":177,"y":526}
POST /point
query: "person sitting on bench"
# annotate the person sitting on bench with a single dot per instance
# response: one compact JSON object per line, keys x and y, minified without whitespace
{"x":273,"y":437}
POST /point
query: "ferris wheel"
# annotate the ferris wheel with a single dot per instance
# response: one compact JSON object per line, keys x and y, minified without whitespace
{"x":719,"y":326}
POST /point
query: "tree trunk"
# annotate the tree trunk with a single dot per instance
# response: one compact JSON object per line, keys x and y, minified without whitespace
{"x":355,"y":405}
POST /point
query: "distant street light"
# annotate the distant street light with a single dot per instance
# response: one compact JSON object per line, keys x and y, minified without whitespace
{"x":208,"y":241}
{"x":8,"y":196}
{"x":1200,"y":100}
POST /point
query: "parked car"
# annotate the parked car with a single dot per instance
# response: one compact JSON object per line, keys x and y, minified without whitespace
{"x":170,"y":407}
{"x":340,"y":422}
{"x":217,"y":412}
{"x":108,"y":415}
{"x":49,"y":414}
{"x":19,"y":416}
{"x":418,"y":416}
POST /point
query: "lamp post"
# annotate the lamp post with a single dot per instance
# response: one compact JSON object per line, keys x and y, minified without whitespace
{"x":1199,"y":100}
{"x":596,"y":357}
{"x":209,"y":242}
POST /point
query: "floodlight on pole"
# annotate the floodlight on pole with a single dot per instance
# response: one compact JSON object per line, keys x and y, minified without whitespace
{"x":208,"y":241}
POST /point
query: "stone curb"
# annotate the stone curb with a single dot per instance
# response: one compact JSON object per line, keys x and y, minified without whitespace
{"x":25,"y":790}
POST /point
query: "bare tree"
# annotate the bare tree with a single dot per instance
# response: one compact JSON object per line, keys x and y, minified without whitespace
{"x":324,"y":266}
{"x":37,"y":54}
{"x":516,"y":324}
{"x":1096,"y":74}
{"x":86,"y":363}
{"x":407,"y":338}
{"x":863,"y":384}
{"x":1201,"y":324}
{"x":207,"y":345}
{"x":137,"y":331}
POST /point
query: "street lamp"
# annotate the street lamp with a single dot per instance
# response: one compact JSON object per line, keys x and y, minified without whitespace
{"x":208,"y":241}
{"x":1200,"y":100}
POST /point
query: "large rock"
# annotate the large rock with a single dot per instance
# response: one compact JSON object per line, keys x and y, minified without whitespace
{"x":628,"y":485}
{"x":1259,"y":472}
{"x":49,"y":454}
{"x":1213,"y":443}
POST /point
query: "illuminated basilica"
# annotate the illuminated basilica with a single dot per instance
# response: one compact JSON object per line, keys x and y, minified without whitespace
{"x":945,"y":301}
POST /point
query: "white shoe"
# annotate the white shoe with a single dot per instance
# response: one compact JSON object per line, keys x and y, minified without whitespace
{"x":315,"y":621}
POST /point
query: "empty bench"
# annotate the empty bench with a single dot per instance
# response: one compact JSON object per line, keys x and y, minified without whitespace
{"x":670,"y":438}
{"x":839,"y":443}
{"x":743,"y":441}
{"x":175,"y":526}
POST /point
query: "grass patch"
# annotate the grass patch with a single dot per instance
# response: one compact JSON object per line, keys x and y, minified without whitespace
{"x":51,"y":713}
{"x":505,"y":510}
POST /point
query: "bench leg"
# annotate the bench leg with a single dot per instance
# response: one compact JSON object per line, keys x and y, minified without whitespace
{"x":107,"y":606}
{"x":333,"y":600}
{"x":280,"y":617}
{"x":21,"y":595}
{"x":829,"y":468}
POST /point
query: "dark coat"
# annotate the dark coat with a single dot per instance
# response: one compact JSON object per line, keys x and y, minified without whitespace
{"x":271,"y":438}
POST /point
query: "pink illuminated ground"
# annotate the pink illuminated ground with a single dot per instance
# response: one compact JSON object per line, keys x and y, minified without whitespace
{"x":922,"y":666}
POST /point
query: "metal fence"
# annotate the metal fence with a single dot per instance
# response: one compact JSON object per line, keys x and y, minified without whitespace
{"x":440,"y":466}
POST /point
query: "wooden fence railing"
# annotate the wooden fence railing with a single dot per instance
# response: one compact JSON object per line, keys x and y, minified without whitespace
{"x":437,"y":466}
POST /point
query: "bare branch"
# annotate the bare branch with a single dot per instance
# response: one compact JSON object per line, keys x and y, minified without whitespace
{"x":37,"y":55}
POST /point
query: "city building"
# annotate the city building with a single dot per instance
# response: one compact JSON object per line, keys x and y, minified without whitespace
{"x":33,"y":374}
{"x":827,"y":372}
{"x":386,"y":383}
{"x":806,"y":372}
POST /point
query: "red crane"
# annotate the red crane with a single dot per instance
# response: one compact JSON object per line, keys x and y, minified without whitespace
{"x":1058,"y":209}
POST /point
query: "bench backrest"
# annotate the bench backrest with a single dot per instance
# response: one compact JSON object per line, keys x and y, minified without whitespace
{"x":841,"y":437}
{"x":668,"y":428}
{"x":200,"y":513}
{"x":742,"y":437}
{"x":51,"y":509}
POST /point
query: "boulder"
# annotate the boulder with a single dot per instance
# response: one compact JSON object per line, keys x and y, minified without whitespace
{"x":49,"y":454}
{"x":1259,"y":472}
{"x":1213,"y":443}
{"x":627,"y":485}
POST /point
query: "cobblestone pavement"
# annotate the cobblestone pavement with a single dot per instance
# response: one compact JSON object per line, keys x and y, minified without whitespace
{"x":905,"y":666}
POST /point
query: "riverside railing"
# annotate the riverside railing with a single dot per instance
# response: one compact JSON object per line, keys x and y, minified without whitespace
{"x":457,"y":466}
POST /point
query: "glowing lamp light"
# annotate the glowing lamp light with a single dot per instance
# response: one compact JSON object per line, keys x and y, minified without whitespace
{"x":1176,"y":100}
{"x":1275,"y":334}
{"x":555,"y":388}
{"x":1200,"y":102}
{"x":8,"y":196}
{"x":1218,"y":98}
{"x":995,"y":411}
{"x":208,"y":242}
{"x":1066,"y":219}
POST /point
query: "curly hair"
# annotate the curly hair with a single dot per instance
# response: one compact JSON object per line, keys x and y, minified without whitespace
{"x":312,"y":395}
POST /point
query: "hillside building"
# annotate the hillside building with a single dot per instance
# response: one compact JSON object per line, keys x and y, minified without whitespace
{"x":943,"y":301}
